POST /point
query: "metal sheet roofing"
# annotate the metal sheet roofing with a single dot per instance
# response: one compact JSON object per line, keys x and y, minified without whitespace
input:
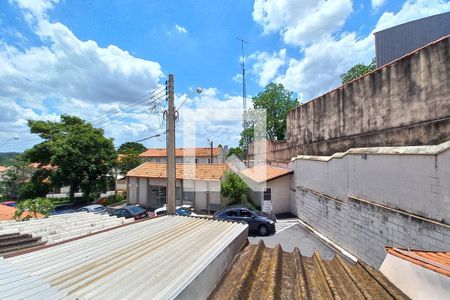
{"x":265,"y":173}
{"x":183,"y":171}
{"x":157,"y":258}
{"x":264,"y":273}
{"x":179,"y":152}
{"x":433,"y":260}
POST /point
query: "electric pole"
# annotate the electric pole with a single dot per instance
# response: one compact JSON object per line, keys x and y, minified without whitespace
{"x":170,"y":145}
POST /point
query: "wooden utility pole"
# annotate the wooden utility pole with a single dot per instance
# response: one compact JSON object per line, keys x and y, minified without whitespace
{"x":170,"y":145}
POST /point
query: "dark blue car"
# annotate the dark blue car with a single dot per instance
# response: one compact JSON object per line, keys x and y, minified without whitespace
{"x":257,"y":223}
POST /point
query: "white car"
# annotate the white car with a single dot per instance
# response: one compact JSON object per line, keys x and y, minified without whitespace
{"x":180,"y":210}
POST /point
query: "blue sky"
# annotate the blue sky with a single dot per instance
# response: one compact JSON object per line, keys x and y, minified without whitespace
{"x":90,"y":58}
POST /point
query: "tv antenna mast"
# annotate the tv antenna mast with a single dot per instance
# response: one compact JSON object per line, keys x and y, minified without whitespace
{"x":244,"y":83}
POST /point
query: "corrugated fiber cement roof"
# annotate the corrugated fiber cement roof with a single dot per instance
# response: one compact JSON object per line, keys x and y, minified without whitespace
{"x":263,"y":273}
{"x":154,"y":259}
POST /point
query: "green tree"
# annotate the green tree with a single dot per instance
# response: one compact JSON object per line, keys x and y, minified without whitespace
{"x":81,"y":155}
{"x":22,"y":181}
{"x":127,"y":162}
{"x":358,"y":70}
{"x":277,"y":101}
{"x":234,"y":188}
{"x":36,"y":206}
{"x":238,"y":151}
{"x":131,"y":147}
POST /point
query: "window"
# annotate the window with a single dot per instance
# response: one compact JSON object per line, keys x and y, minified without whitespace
{"x":268,"y":194}
{"x":100,"y":208}
{"x":196,"y":160}
{"x":136,"y":209}
{"x":231,"y":213}
{"x":209,"y":160}
{"x":245,"y":213}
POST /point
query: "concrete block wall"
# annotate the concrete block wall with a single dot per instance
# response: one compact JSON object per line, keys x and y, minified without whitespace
{"x":364,"y":229}
{"x":369,"y":198}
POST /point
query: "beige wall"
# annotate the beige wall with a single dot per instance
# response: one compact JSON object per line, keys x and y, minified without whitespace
{"x":280,"y":189}
{"x":138,"y":189}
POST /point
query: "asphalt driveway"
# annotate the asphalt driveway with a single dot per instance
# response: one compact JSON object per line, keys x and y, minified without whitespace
{"x":294,"y":235}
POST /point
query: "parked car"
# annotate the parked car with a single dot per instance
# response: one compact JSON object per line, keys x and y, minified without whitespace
{"x":63,"y":209}
{"x":94,"y":208}
{"x":180,"y":211}
{"x":257,"y":223}
{"x":9,"y":203}
{"x":132,"y":211}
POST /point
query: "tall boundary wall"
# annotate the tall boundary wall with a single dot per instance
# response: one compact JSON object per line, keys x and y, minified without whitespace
{"x":406,"y":102}
{"x":369,"y":198}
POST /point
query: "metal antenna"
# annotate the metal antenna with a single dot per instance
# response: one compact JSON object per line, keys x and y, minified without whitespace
{"x":244,"y":84}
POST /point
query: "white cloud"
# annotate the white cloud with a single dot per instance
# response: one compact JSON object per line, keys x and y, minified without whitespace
{"x":266,"y":65}
{"x":301,"y":22}
{"x":320,"y":63}
{"x":377,"y":3}
{"x":180,"y":29}
{"x":212,"y":116}
{"x":80,"y":77}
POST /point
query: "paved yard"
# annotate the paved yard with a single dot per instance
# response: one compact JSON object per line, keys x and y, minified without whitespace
{"x":290,"y":235}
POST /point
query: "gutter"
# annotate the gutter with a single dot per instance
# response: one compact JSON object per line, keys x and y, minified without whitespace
{"x":329,"y":242}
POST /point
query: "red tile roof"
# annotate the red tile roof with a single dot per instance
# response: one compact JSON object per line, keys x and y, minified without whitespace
{"x":3,"y":169}
{"x":265,"y":173}
{"x":433,"y":260}
{"x":7,"y":213}
{"x":183,"y":171}
{"x":179,"y":152}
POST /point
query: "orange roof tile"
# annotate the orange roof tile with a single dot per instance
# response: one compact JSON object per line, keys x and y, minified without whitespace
{"x":179,"y":152}
{"x":3,"y":169}
{"x":265,"y":173}
{"x":183,"y":171}
{"x":7,"y":213}
{"x":432,"y":260}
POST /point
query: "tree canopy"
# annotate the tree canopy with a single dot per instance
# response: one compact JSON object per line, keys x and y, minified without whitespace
{"x":131,"y":147}
{"x":81,"y":155}
{"x":234,"y":188}
{"x":278,"y":101}
{"x":358,"y":70}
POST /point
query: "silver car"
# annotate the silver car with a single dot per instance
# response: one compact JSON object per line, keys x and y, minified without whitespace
{"x":94,"y":208}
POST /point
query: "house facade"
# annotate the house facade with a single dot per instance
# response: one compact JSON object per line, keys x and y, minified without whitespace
{"x":197,"y":155}
{"x":197,"y":185}
{"x":270,"y":187}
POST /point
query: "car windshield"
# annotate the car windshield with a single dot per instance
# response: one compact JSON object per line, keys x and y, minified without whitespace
{"x":183,"y":212}
{"x":136,"y":209}
{"x":100,"y":208}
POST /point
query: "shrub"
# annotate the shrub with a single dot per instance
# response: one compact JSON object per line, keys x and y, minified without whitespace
{"x":34,"y":207}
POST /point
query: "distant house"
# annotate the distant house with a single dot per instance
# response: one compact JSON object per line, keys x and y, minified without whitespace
{"x":270,"y":185}
{"x":196,"y":184}
{"x":197,"y":155}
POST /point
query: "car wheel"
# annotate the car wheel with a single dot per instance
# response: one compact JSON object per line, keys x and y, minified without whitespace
{"x":263,"y":230}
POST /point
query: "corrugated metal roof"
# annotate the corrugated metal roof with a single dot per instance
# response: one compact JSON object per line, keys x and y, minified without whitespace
{"x":198,"y":152}
{"x":183,"y":171}
{"x":436,"y":261}
{"x":264,"y":173}
{"x":264,"y":273}
{"x":157,"y":258}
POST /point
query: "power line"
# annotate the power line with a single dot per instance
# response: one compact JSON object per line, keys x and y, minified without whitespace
{"x":144,"y":98}
{"x":151,"y":137}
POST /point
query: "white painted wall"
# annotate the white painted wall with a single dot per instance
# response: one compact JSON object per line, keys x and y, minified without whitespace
{"x":280,"y":194}
{"x":280,"y":190}
{"x":418,"y":184}
{"x":415,"y":281}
